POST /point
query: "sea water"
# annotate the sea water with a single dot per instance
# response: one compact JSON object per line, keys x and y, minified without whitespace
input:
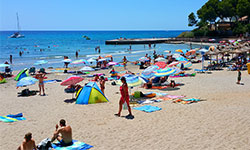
{"x":54,"y":45}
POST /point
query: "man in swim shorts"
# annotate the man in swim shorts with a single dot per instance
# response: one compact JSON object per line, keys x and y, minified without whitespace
{"x":63,"y":134}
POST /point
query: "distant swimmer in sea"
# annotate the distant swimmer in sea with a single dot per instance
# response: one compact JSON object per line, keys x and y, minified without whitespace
{"x":76,"y":54}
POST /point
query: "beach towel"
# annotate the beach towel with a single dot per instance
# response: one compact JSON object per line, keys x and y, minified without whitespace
{"x":77,"y":145}
{"x":159,"y":94}
{"x":164,"y":98}
{"x":147,"y":108}
{"x":174,"y":96}
{"x":12,"y":118}
{"x":148,"y":101}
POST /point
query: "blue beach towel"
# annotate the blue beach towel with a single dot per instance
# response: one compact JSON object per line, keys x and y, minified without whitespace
{"x":147,"y":108}
{"x":192,"y":99}
{"x":12,"y":118}
{"x":77,"y":145}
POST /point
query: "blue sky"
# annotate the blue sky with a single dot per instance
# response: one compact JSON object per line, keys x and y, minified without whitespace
{"x":97,"y":14}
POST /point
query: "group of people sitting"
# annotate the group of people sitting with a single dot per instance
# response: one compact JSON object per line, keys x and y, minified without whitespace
{"x":158,"y":81}
{"x":62,"y":134}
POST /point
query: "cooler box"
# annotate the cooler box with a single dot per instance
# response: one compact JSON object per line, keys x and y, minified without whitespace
{"x":248,"y":68}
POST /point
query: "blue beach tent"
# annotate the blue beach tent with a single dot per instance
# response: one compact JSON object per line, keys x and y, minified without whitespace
{"x":90,"y":94}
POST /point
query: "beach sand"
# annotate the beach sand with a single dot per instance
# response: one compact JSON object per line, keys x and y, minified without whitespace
{"x":221,"y":121}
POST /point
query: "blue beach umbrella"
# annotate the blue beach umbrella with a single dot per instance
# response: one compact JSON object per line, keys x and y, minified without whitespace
{"x":26,"y":81}
{"x":164,"y":72}
{"x":181,"y":59}
{"x":4,"y":65}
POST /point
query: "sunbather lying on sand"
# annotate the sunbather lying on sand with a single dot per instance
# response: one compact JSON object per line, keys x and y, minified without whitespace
{"x":65,"y":138}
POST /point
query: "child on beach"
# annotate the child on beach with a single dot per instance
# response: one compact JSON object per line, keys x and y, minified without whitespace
{"x":102,"y":84}
{"x":40,"y":76}
{"x":28,"y":143}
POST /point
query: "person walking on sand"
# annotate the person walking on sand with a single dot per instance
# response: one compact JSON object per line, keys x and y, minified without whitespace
{"x":239,"y":76}
{"x":63,"y":134}
{"x":40,"y":76}
{"x":124,"y":97}
{"x":102,"y":84}
{"x":28,"y":143}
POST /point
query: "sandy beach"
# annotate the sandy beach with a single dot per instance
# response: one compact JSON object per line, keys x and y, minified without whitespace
{"x":220,"y":121}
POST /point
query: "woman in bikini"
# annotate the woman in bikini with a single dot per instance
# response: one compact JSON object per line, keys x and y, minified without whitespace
{"x":124,"y":97}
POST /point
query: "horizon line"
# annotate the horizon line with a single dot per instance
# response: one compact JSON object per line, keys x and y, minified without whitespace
{"x":102,"y":30}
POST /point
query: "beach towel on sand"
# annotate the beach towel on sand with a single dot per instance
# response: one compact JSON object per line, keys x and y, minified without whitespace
{"x":77,"y":145}
{"x":12,"y":118}
{"x":147,"y":108}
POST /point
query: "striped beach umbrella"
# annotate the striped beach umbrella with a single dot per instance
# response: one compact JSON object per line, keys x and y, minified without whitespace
{"x":80,"y":61}
{"x":160,"y":59}
{"x":112,"y":63}
{"x":186,"y":64}
{"x":4,"y":65}
{"x":173,"y":64}
{"x":87,"y":68}
{"x":164,"y":72}
{"x":132,"y":80}
{"x":151,"y":68}
{"x":143,"y":59}
{"x":67,"y":60}
{"x":161,"y":64}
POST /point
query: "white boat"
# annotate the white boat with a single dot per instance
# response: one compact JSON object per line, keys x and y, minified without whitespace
{"x":17,"y":34}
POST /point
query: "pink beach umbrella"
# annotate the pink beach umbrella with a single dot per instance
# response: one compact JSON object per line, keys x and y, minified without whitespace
{"x":112,"y":63}
{"x":72,"y":80}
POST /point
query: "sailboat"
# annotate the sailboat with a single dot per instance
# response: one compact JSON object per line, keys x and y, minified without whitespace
{"x":17,"y":34}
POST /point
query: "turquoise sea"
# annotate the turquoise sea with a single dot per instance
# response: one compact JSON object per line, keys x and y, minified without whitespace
{"x":56,"y":44}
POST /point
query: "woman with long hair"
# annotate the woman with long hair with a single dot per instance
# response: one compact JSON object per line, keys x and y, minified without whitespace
{"x":124,"y":97}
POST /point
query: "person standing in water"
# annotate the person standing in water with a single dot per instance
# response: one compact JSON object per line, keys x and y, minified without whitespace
{"x":124,"y":98}
{"x":76,"y":54}
{"x":10,"y":59}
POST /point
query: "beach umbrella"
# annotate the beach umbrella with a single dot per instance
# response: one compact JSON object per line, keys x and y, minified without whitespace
{"x":164,"y":72}
{"x":72,"y":80}
{"x":211,"y":48}
{"x":179,"y":50}
{"x":181,"y":59}
{"x":4,"y":65}
{"x":112,"y":63}
{"x":132,"y":80}
{"x":143,"y":59}
{"x":160,"y":59}
{"x":151,"y":68}
{"x":173,"y":64}
{"x":91,"y":60}
{"x":101,"y":60}
{"x":167,"y":51}
{"x":41,"y":62}
{"x":203,"y":50}
{"x":26,"y":81}
{"x":147,"y":74}
{"x":80,"y":61}
{"x":191,"y":52}
{"x":67,"y":60}
{"x":108,"y":56}
{"x":161,"y":64}
{"x":176,"y":55}
{"x":87,"y":68}
{"x":186,"y":64}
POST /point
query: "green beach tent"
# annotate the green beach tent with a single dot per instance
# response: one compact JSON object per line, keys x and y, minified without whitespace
{"x":90,"y":94}
{"x":23,"y":73}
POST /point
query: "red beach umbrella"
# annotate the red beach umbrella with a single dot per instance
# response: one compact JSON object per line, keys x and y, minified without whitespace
{"x":71,"y":80}
{"x":161,"y":64}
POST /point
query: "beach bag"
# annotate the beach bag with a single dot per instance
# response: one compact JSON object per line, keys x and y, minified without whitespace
{"x":45,"y":144}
